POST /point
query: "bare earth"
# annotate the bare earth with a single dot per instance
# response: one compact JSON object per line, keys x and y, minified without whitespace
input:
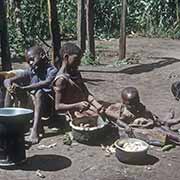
{"x":158,"y":58}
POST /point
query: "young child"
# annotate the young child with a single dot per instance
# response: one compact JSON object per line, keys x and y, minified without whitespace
{"x":71,"y":94}
{"x":132,"y":114}
{"x":37,"y":81}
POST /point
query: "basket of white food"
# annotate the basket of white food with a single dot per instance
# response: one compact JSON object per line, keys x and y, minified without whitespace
{"x":131,"y":150}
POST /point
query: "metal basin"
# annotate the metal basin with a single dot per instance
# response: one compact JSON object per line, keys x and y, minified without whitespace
{"x":132,"y":154}
{"x":17,"y":115}
{"x":13,"y":122}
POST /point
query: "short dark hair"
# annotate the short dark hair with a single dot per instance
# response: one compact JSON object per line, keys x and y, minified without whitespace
{"x":130,"y":93}
{"x":35,"y":50}
{"x":70,"y":49}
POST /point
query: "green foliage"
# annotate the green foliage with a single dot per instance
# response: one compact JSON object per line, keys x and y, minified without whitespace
{"x":67,"y":16}
{"x":153,"y":18}
{"x":34,"y":15}
{"x":146,"y":17}
{"x":34,"y":22}
{"x":107,"y":16}
{"x":87,"y":59}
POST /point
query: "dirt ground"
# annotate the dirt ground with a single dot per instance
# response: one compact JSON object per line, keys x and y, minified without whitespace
{"x":159,"y":59}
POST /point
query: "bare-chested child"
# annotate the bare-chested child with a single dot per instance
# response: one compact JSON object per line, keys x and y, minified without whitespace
{"x":36,"y":80}
{"x":131,"y":113}
{"x":71,"y":94}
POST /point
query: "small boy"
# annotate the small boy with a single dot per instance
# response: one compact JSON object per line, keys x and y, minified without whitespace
{"x":132,"y":114}
{"x":37,"y":81}
{"x":71,"y":94}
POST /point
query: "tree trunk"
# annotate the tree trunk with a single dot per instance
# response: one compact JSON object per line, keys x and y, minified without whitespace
{"x":90,"y":27}
{"x":122,"y":39}
{"x":81,"y":24}
{"x":177,"y":11}
{"x":4,"y":43}
{"x":54,"y":30}
{"x":19,"y":22}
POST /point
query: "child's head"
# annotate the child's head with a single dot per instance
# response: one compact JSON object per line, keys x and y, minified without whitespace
{"x":71,"y":54}
{"x":175,"y":89}
{"x":36,"y":57}
{"x":130,"y":98}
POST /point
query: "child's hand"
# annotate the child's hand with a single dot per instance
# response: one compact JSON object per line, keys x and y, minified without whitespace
{"x":82,"y":106}
{"x":128,"y":130}
{"x":17,"y":90}
{"x":101,"y":110}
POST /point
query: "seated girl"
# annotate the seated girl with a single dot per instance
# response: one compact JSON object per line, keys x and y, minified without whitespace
{"x":71,"y":94}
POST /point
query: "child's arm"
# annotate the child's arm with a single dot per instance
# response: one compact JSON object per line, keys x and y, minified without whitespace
{"x":113,"y":111}
{"x":91,"y":99}
{"x":42,"y":84}
{"x":8,"y":82}
{"x":99,"y":107}
{"x":35,"y":86}
{"x":152,"y":117}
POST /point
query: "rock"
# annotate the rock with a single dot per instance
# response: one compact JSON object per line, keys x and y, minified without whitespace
{"x":107,"y":154}
{"x":149,"y":168}
{"x":39,"y":173}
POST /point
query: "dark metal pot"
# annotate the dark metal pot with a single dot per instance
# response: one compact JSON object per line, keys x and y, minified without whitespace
{"x":13,"y":122}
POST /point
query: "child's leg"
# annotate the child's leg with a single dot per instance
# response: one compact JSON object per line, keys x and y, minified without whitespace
{"x":169,"y":119}
{"x":38,"y":110}
{"x":8,"y":101}
{"x":171,"y":136}
{"x":23,"y":99}
{"x":2,"y":96}
{"x":172,"y":122}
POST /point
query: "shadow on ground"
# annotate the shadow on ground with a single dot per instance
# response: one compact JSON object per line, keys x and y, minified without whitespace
{"x":47,"y":162}
{"x":93,"y":81}
{"x":141,"y":68}
{"x":150,"y":67}
{"x":148,"y":160}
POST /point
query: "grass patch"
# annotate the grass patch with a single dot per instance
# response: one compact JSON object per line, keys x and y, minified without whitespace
{"x":103,"y":46}
{"x":88,"y":59}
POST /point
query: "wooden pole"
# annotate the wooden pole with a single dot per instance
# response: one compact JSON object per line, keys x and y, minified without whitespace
{"x":54,"y":30}
{"x":90,"y":27}
{"x":81,"y":25}
{"x":177,"y":11}
{"x":19,"y":22}
{"x":122,"y":39}
{"x":4,"y":42}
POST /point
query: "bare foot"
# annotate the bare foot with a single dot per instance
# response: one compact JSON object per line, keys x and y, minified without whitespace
{"x":170,"y":114}
{"x":33,"y":138}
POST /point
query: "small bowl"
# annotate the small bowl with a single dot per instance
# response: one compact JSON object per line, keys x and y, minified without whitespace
{"x":134,"y":151}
